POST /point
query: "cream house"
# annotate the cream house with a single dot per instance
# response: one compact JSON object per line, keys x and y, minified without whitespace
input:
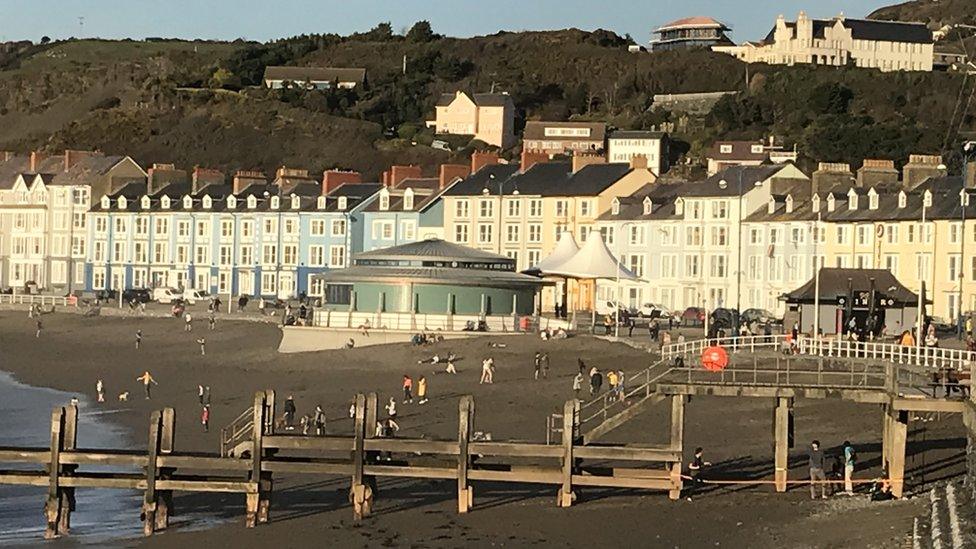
{"x":840,"y":41}
{"x":489,"y":117}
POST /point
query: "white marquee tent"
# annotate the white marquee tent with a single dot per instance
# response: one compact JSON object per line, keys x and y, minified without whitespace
{"x":593,"y":261}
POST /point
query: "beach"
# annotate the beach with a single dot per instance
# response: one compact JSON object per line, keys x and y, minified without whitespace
{"x":241,"y":358}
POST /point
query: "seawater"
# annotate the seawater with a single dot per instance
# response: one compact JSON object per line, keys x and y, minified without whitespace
{"x":100,"y":515}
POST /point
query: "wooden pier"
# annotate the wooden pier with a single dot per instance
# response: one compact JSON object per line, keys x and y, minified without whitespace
{"x":251,"y":465}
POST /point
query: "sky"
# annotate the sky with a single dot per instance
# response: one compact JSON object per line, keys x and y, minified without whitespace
{"x":268,"y":19}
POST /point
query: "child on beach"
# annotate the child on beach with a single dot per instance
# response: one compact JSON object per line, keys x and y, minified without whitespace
{"x":407,"y":388}
{"x":187,"y":322}
{"x":138,"y":338}
{"x":212,"y":321}
{"x":205,"y":418}
{"x":147,"y":381}
{"x":38,"y":334}
{"x":422,"y":390}
{"x":202,"y":342}
{"x":100,"y":390}
{"x":487,"y":370}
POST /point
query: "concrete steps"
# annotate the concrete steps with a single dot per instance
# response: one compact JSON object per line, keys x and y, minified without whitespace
{"x":948,"y":522}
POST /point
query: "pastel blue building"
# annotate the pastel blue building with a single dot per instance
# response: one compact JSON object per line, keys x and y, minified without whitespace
{"x":251,"y":237}
{"x":410,"y":211}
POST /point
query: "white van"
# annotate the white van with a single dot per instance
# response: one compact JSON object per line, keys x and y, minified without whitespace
{"x":166,"y":295}
{"x":192,"y":296}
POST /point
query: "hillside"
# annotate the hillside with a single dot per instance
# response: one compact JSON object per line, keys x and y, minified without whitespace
{"x":934,"y":13}
{"x":201,"y":103}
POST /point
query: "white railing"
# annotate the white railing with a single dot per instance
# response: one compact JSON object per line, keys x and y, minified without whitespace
{"x":415,"y":321}
{"x":30,"y":299}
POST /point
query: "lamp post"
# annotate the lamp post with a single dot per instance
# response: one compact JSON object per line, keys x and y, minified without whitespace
{"x":816,"y":278}
{"x":501,"y":193}
{"x":919,"y":336}
{"x":968,"y":152}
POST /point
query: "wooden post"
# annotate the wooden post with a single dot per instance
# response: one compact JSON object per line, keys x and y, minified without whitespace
{"x":677,"y":442}
{"x":465,"y":492}
{"x":149,"y":501}
{"x":164,"y":498}
{"x":52,"y":508}
{"x":566,"y":495}
{"x":372,"y":408}
{"x":782,"y":427}
{"x":67,"y":497}
{"x":897,"y":436}
{"x":269,"y":411}
{"x":257,"y":454}
{"x":885,"y":434}
{"x":361,"y":500}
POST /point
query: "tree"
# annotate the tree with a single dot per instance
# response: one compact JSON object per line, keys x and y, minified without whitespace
{"x":45,"y":39}
{"x":421,"y":31}
{"x":380,"y":33}
{"x":223,"y":78}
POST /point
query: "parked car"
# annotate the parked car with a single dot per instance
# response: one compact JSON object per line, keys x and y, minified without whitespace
{"x":609,"y":308}
{"x":693,"y":316}
{"x":192,"y":296}
{"x":650,"y":310}
{"x":167,"y":295}
{"x":138,"y":295}
{"x":106,"y":295}
{"x":724,"y":319}
{"x":762,"y":316}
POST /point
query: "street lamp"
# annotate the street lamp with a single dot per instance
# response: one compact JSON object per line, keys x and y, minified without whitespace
{"x":968,"y":152}
{"x":487,"y":191}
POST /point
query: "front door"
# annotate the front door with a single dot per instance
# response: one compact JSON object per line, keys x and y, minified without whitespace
{"x":286,"y":285}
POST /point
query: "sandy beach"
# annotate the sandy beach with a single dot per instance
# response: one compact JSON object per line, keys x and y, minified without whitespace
{"x":73,"y":352}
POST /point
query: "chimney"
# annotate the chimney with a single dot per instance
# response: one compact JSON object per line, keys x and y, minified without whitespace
{"x":531,"y":158}
{"x":291,"y":172}
{"x":919,"y":168}
{"x":244,"y":179}
{"x":36,"y":157}
{"x":333,"y":179}
{"x":638,"y":162}
{"x":831,"y":176}
{"x":450,"y":172}
{"x":399,"y":173}
{"x":73,"y":157}
{"x":877,"y":173}
{"x":481,"y":159}
{"x":970,"y":179}
{"x":202,"y":177}
{"x":176,"y":176}
{"x":584,"y":159}
{"x":6,"y":155}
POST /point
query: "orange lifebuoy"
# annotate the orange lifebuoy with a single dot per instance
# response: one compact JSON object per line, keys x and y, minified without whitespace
{"x":715,"y":359}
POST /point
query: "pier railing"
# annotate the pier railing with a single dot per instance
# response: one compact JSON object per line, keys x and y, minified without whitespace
{"x":31,"y":299}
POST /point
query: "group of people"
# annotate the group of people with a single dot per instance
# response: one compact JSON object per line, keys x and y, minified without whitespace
{"x":313,"y":423}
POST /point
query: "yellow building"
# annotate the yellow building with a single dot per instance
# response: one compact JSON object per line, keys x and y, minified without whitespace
{"x":489,"y":117}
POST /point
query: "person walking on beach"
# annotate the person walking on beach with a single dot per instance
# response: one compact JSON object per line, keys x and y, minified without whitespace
{"x":202,"y":342}
{"x":596,"y":379}
{"x":487,"y":370}
{"x":578,"y":384}
{"x":100,"y":390}
{"x":200,"y":393}
{"x":138,"y":338}
{"x":147,"y":381}
{"x":318,"y":419}
{"x":212,"y":322}
{"x":580,"y":365}
{"x":612,"y":381}
{"x":422,"y":390}
{"x":621,"y":387}
{"x":187,"y":322}
{"x":816,"y":462}
{"x":39,"y":326}
{"x":696,"y":469}
{"x":407,"y":389}
{"x":391,"y":412}
{"x":850,"y":458}
{"x":205,"y":418}
{"x":538,"y":364}
{"x":290,"y":413}
{"x":545,"y":365}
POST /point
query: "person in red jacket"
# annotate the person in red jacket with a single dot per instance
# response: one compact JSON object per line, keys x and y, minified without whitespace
{"x":407,"y":389}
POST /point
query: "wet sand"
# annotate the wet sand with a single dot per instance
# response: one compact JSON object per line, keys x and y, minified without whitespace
{"x":73,"y":352}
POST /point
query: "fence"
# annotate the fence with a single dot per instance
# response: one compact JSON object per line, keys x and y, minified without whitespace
{"x":420,"y":321}
{"x":30,"y":299}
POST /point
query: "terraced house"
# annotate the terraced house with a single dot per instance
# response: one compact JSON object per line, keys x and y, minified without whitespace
{"x":44,"y":203}
{"x":251,"y":237}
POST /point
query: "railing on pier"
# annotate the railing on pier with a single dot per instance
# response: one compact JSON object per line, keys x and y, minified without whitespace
{"x":32,"y":299}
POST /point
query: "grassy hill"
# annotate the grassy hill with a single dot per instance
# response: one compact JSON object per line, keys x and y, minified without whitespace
{"x":201,"y":103}
{"x":934,"y":13}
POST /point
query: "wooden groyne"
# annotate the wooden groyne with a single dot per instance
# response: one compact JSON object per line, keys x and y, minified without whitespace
{"x":251,"y":463}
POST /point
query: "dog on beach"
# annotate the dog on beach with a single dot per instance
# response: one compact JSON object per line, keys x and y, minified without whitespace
{"x":124,"y":397}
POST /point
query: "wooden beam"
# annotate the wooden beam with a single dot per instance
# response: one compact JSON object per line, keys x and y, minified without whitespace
{"x":257,"y":455}
{"x":928,"y":405}
{"x":555,"y":476}
{"x":515,"y":449}
{"x":781,"y":436}
{"x":625,"y":453}
{"x":623,"y":482}
{"x":167,"y":441}
{"x":372,"y":408}
{"x":410,"y":446}
{"x":566,"y":495}
{"x":52,"y":508}
{"x":408,"y":471}
{"x":359,"y":495}
{"x":465,"y":496}
{"x":67,"y":494}
{"x":149,"y":499}
{"x":677,"y":442}
{"x":867,"y":396}
{"x":164,"y":498}
{"x":897,"y":437}
{"x":310,"y":444}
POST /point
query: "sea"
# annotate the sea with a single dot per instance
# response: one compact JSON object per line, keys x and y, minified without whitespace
{"x":101,"y":516}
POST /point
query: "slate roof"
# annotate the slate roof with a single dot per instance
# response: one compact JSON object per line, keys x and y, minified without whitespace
{"x":542,"y":179}
{"x":692,"y":22}
{"x":433,"y":249}
{"x":435,"y":275}
{"x":315,"y":74}
{"x":82,"y":171}
{"x":834,"y":283}
{"x":426,"y":192}
{"x":864,"y":29}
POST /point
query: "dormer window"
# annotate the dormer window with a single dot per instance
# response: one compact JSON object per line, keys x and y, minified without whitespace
{"x":106,"y":202}
{"x":343,"y":203}
{"x":384,"y":200}
{"x":872,"y":199}
{"x":187,"y":203}
{"x":231,"y":202}
{"x":145,"y":203}
{"x":679,"y":207}
{"x":927,"y":199}
{"x":725,"y":149}
{"x":408,"y":200}
{"x":815,"y":202}
{"x":275,"y":202}
{"x":789,"y":204}
{"x":902,"y":199}
{"x":963,"y":197}
{"x":123,"y":203}
{"x":831,"y":202}
{"x":296,"y":202}
{"x":252,"y":202}
{"x":320,"y":203}
{"x":164,"y":202}
{"x":615,"y":206}
{"x":771,"y":205}
{"x":757,"y":149}
{"x":648,"y":205}
{"x":207,"y":202}
{"x":851,"y":200}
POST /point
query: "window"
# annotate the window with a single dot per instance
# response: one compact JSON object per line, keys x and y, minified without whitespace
{"x":922,"y":266}
{"x":669,"y":266}
{"x":461,"y":208}
{"x":513,"y":255}
{"x":202,"y":255}
{"x":247,"y":229}
{"x":120,"y":225}
{"x":484,"y":233}
{"x":720,"y":209}
{"x":891,"y":233}
{"x":408,"y":230}
{"x":118,"y":252}
{"x":513,"y":207}
{"x":316,"y":256}
{"x":226,"y":256}
{"x":719,"y":236}
{"x":755,"y":236}
{"x":955,"y":233}
{"x":246,"y":254}
{"x":863,"y":261}
{"x":98,"y":252}
{"x":290,"y":226}
{"x":725,"y":149}
{"x":182,"y":254}
{"x":461,"y":234}
{"x":338,"y":227}
{"x":269,"y":283}
{"x":408,"y":200}
{"x":955,"y":267}
{"x":203,"y":229}
{"x":798,"y":235}
{"x":382,"y":229}
{"x":635,"y":262}
{"x":78,"y":220}
{"x":486,"y":207}
{"x":607,"y":233}
{"x":691,"y":266}
{"x":512,"y":233}
{"x":863,"y":234}
{"x":717,"y":266}
{"x":586,"y":208}
{"x":535,"y":233}
{"x":140,"y":252}
{"x":142,"y":226}
{"x":754,"y":270}
{"x":316,"y":227}
{"x":774,"y":268}
{"x":636,"y":235}
{"x":270,"y":226}
{"x":269,"y":254}
{"x":669,"y":236}
{"x":183,"y":228}
{"x":337,"y":257}
{"x":535,"y":207}
{"x":692,"y":236}
{"x":534,"y":257}
{"x":843,"y":234}
{"x":891,"y":263}
{"x":226,"y":228}
{"x":562,"y":208}
{"x":695,"y":209}
{"x":290,"y":254}
{"x":384,"y":201}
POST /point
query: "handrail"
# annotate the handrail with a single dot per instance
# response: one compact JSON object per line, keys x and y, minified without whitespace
{"x":30,"y":299}
{"x":236,"y":431}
